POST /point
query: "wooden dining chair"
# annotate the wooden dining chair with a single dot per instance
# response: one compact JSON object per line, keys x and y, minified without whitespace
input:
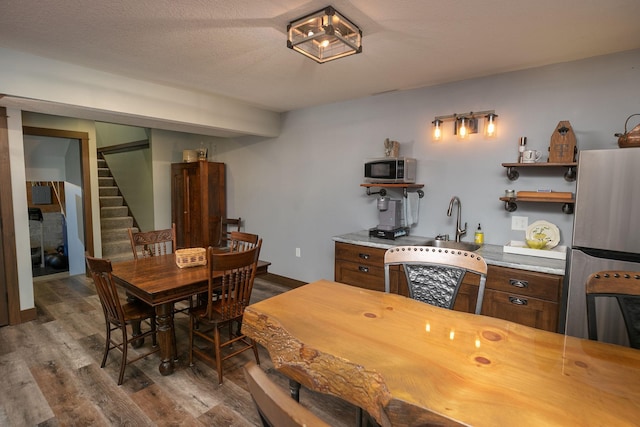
{"x":434,"y":274}
{"x":120,"y":316}
{"x":229,"y":225}
{"x":624,"y":286}
{"x":232,"y":274}
{"x":275,"y":407}
{"x":152,"y":243}
{"x":240,"y":241}
{"x":146,"y":244}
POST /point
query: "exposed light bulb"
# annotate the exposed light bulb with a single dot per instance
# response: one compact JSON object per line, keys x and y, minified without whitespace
{"x":325,"y":43}
{"x":310,"y":33}
{"x":437,"y":129}
{"x":490,"y":125}
{"x":462,"y":129}
{"x":491,"y":128}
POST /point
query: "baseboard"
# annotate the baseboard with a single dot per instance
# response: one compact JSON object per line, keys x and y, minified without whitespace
{"x":282,"y":280}
{"x":28,"y":315}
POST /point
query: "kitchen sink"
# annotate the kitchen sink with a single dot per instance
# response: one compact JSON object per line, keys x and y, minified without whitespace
{"x":450,"y":244}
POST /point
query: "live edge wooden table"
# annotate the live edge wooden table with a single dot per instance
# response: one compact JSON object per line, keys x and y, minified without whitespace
{"x":159,"y":282}
{"x":410,"y":364}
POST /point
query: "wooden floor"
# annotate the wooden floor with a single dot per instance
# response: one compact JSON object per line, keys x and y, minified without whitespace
{"x":51,"y":376}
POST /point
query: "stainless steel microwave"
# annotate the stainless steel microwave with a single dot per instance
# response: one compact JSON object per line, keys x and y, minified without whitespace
{"x":390,"y":170}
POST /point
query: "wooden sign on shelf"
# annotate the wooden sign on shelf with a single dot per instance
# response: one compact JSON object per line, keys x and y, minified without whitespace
{"x":562,"y":148}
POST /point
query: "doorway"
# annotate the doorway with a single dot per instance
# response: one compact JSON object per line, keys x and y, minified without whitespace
{"x":82,"y":213}
{"x":53,"y":185}
{"x":9,"y":284}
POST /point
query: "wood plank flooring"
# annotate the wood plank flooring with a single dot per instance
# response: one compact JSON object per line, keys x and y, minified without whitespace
{"x":51,"y":376}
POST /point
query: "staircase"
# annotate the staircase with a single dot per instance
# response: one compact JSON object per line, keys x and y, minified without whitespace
{"x":114,"y":217}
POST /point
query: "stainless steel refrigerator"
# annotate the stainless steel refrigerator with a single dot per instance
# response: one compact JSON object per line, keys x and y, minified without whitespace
{"x":606,"y":235}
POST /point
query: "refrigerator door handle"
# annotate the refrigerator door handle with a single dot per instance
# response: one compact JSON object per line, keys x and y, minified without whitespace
{"x":609,"y":255}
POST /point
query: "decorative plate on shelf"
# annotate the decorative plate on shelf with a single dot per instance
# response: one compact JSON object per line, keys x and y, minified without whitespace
{"x":544,"y":230}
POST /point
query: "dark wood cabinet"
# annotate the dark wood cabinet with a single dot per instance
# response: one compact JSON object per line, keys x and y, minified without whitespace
{"x":362,"y":266}
{"x":524,"y":297}
{"x":198,"y":203}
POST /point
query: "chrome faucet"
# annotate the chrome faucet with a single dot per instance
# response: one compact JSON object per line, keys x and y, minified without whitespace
{"x":459,"y":231}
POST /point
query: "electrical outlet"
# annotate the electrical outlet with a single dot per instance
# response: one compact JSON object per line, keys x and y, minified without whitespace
{"x":519,"y":223}
{"x":298,"y":252}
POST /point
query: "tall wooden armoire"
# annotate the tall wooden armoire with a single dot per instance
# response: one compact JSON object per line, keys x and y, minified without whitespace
{"x":198,"y":203}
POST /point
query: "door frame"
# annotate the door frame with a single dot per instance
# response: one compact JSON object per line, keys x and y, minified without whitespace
{"x":83,"y":139}
{"x":8,"y":250}
{"x":9,"y":289}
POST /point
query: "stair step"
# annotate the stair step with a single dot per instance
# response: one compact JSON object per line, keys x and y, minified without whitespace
{"x":106,"y":201}
{"x":122,"y":256}
{"x":108,"y":191}
{"x":118,"y":222}
{"x":114,"y":212}
{"x":116,"y":248}
{"x":115,"y":234}
{"x":106,"y":181}
{"x":114,"y":217}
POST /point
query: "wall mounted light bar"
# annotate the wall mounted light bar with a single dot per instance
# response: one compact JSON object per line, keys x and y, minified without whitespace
{"x":467,"y":123}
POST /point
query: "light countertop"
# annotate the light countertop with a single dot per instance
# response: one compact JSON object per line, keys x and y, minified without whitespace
{"x":493,"y":254}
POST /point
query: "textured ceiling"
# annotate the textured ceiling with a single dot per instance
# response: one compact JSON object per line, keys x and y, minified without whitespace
{"x":237,"y":48}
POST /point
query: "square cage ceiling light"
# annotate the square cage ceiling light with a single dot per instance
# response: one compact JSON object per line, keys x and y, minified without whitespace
{"x":324,"y":35}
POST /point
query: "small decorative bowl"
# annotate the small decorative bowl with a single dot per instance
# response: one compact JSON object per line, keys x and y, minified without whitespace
{"x":536,"y":244}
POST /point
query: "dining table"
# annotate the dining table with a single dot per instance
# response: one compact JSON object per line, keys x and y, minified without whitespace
{"x":408,"y":363}
{"x":159,"y":282}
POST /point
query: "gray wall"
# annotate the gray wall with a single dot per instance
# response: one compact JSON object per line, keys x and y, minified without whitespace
{"x":303,"y":187}
{"x":131,"y":169}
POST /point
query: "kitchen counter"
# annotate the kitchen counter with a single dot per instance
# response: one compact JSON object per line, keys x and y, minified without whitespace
{"x":493,"y":254}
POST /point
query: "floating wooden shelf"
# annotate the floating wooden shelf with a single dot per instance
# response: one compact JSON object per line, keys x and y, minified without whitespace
{"x":565,"y":198}
{"x":539,"y":199}
{"x":513,"y":174}
{"x":540,"y":165}
{"x":511,"y":206}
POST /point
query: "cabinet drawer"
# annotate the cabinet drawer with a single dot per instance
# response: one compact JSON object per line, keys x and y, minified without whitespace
{"x":360,"y":274}
{"x":360,"y":254}
{"x":521,"y":309}
{"x":525,"y":283}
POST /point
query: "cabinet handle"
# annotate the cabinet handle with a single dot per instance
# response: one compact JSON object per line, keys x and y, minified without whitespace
{"x":518,"y":301}
{"x":519,"y":283}
{"x":363,"y":269}
{"x":364,"y":256}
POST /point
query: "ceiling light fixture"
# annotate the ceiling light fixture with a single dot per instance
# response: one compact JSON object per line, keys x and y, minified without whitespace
{"x":467,"y":123}
{"x":324,"y":35}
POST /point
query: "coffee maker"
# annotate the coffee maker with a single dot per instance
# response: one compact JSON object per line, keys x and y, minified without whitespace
{"x":390,"y":219}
